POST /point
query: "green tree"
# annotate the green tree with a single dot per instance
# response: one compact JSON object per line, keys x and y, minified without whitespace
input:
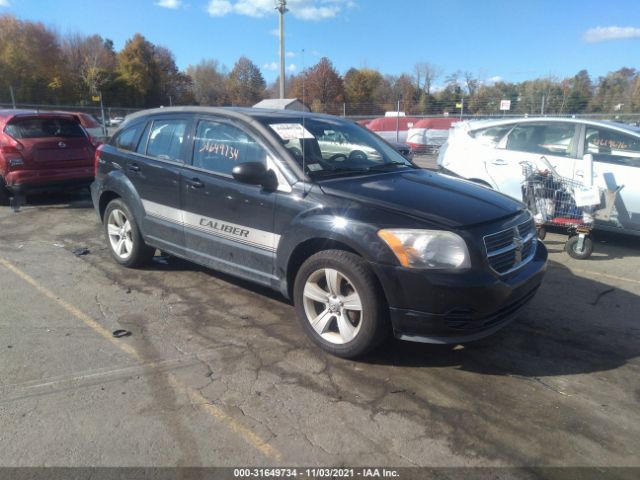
{"x":580,"y":93}
{"x":246,"y":85}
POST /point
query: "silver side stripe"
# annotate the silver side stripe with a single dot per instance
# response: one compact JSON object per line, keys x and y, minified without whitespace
{"x":212,"y":226}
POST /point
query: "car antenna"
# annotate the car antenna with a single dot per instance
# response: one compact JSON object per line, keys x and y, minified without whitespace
{"x":302,"y":141}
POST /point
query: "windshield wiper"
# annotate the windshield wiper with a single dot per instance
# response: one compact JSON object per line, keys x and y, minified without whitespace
{"x":385,"y":165}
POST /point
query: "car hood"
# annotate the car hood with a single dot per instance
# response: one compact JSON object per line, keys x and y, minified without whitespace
{"x":436,"y":198}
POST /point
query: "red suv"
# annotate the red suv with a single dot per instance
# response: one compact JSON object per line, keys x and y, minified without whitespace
{"x":42,"y":151}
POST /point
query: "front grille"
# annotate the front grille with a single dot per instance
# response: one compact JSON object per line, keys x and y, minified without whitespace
{"x":510,"y":249}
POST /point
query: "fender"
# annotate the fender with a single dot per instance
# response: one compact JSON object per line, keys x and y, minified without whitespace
{"x":329,"y":225}
{"x":117,"y":182}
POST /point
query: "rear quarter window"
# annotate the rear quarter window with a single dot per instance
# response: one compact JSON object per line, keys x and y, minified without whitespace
{"x":44,"y":128}
{"x":127,"y":139}
{"x":491,"y":135}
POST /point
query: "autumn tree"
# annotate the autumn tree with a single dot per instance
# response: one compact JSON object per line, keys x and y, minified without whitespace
{"x":246,"y":85}
{"x":209,"y":83}
{"x":137,"y":70}
{"x":323,"y":88}
{"x":170,"y":85}
{"x":90,"y":63}
{"x":615,"y":91}
{"x":30,"y":61}
{"x":361,"y":87}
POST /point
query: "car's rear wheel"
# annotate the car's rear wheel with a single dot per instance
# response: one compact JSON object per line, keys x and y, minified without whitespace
{"x":123,"y":236}
{"x":340,"y":304}
{"x":4,"y":193}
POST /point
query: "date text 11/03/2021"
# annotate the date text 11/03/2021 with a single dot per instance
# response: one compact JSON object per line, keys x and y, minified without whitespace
{"x":315,"y":473}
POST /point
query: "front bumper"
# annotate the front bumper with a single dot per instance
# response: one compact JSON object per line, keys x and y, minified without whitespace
{"x":445,"y":307}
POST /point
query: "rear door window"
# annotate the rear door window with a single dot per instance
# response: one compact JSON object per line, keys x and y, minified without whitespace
{"x":543,"y":139}
{"x":612,"y":147}
{"x":44,"y":128}
{"x":218,"y":147}
{"x":166,"y":139}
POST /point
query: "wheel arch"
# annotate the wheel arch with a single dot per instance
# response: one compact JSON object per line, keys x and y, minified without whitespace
{"x":305,"y":250}
{"x":106,"y":197}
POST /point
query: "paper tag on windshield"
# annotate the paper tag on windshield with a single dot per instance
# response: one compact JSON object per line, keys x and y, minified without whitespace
{"x":314,"y":167}
{"x":291,"y":131}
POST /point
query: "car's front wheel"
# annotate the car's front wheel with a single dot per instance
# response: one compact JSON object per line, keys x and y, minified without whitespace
{"x":340,"y":304}
{"x":123,"y":236}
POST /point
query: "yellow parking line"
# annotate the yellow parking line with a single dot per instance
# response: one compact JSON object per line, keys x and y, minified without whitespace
{"x":195,"y":397}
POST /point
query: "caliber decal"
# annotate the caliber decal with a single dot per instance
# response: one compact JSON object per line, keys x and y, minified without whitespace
{"x":230,"y":231}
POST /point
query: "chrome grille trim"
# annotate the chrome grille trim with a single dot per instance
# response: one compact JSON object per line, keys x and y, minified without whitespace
{"x":520,"y":239}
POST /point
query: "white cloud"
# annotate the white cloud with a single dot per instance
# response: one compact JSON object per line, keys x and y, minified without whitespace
{"x":302,"y":9}
{"x":273,"y":66}
{"x":290,"y":54}
{"x":4,"y":3}
{"x":219,"y":8}
{"x":173,"y":4}
{"x":494,"y":79}
{"x":292,"y":67}
{"x":602,"y":34}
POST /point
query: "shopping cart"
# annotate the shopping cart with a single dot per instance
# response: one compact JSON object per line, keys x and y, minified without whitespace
{"x":564,"y":202}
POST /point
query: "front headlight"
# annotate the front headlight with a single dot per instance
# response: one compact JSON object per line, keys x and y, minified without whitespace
{"x":433,"y":249}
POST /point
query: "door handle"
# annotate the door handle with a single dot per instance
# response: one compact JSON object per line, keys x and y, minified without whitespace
{"x":133,"y":167}
{"x":195,"y":183}
{"x":499,"y":161}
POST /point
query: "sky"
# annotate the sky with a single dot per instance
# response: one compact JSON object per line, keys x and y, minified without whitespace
{"x":513,"y":40}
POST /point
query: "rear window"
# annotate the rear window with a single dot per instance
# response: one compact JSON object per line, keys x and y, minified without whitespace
{"x":43,"y":128}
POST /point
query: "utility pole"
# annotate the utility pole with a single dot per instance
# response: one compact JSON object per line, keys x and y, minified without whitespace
{"x":104,"y":122}
{"x":542,"y":106}
{"x":13,"y":97}
{"x":282,"y":9}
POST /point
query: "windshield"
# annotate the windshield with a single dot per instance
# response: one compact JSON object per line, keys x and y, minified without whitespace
{"x":44,"y":127}
{"x":330,"y":148}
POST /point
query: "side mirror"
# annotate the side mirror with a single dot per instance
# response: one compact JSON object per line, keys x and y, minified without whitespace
{"x":255,"y":173}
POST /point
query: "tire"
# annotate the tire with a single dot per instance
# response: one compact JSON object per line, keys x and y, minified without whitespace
{"x":326,"y":286}
{"x":123,"y":236}
{"x":572,"y":245}
{"x":4,"y":193}
{"x":542,"y":233}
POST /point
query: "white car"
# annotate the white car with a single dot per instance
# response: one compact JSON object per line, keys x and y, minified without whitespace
{"x":490,"y":153}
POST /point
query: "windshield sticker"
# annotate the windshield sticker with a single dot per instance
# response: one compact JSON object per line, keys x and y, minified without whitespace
{"x":220,"y":149}
{"x":314,"y":167}
{"x":291,"y":131}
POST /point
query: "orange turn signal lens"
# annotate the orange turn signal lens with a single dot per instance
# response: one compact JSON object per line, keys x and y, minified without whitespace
{"x":396,"y":246}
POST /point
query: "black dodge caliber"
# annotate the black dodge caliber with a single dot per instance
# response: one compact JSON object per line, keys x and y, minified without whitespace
{"x":364,"y":242}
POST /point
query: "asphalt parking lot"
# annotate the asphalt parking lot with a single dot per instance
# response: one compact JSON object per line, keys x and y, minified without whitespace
{"x":217,"y":372}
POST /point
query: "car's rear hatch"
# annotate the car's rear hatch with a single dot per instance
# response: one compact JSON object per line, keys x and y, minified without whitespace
{"x":51,"y":141}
